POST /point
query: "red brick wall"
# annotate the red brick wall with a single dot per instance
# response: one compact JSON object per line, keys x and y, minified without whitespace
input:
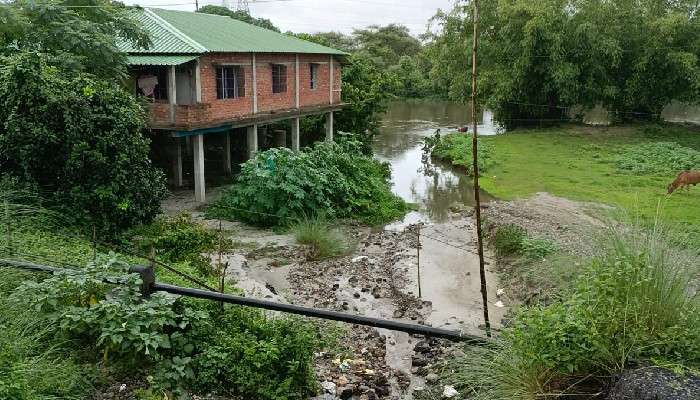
{"x":215,"y":110}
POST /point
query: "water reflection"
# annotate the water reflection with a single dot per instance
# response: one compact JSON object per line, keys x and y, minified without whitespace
{"x":435,"y":187}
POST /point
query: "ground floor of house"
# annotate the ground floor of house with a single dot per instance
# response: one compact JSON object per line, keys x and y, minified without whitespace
{"x":203,"y":158}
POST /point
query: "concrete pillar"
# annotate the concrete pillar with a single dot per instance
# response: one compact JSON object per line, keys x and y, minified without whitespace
{"x":198,"y":82}
{"x":199,"y":183}
{"x":227,"y":152}
{"x":295,"y":134}
{"x":252,"y":140}
{"x":255,"y":86}
{"x":329,"y":126}
{"x":330,"y":81}
{"x":296,"y":80}
{"x":172,"y":92}
{"x":177,"y":162}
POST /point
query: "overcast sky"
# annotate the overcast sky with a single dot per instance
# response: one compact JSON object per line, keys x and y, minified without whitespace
{"x":327,"y":15}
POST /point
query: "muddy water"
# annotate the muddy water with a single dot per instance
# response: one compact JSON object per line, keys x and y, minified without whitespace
{"x":434,"y":187}
{"x":449,"y":263}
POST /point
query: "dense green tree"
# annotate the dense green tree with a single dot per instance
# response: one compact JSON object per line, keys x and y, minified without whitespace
{"x":86,"y":29}
{"x":79,"y":140}
{"x":538,"y":58}
{"x":239,"y":15}
{"x":366,"y":87}
{"x":386,"y":44}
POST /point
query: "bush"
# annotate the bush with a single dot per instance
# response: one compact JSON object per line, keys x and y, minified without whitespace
{"x":457,"y":149}
{"x":323,"y":241}
{"x":635,"y":303}
{"x":507,"y":240}
{"x":278,"y":186}
{"x":177,"y":239}
{"x":657,"y":158}
{"x":79,"y":140}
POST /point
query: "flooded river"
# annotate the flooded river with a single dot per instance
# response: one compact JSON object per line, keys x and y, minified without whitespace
{"x":434,"y":187}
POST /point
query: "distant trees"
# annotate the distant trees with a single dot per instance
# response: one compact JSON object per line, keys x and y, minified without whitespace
{"x":538,"y":57}
{"x":239,"y":15}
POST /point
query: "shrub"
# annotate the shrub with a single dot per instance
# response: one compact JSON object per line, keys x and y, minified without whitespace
{"x":657,"y":158}
{"x":508,"y":239}
{"x":536,"y":248}
{"x":635,"y":303}
{"x":457,"y":149}
{"x":177,"y":239}
{"x":323,"y":241}
{"x":278,"y":186}
{"x":79,"y":140}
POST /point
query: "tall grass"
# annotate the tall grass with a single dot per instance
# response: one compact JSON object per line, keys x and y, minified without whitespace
{"x":323,"y":241}
{"x":637,"y":302}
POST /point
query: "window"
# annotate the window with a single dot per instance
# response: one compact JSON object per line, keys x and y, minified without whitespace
{"x":314,"y":75}
{"x":230,"y":82}
{"x":279,"y":78}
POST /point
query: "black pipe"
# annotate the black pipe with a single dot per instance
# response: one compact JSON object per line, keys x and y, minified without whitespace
{"x":324,"y":314}
{"x":31,"y":266}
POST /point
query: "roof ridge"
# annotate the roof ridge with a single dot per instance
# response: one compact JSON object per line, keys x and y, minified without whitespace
{"x":169,"y":27}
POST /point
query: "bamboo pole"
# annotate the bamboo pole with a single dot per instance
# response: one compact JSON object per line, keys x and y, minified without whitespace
{"x":475,"y":170}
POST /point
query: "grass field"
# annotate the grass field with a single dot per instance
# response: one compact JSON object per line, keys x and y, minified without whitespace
{"x":579,"y":162}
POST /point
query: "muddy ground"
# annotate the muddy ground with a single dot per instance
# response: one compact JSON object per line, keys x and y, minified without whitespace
{"x":379,"y":278}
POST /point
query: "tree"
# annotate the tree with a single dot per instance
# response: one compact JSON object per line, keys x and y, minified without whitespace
{"x":539,"y":58}
{"x":86,"y":29}
{"x":366,"y":87}
{"x":78,"y":139}
{"x":386,"y":44}
{"x":239,"y":15}
{"x":335,"y":40}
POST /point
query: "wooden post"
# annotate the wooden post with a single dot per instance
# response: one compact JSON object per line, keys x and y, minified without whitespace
{"x":418,"y":248}
{"x":475,"y":169}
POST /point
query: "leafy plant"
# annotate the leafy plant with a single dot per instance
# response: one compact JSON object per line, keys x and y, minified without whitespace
{"x":178,"y":239}
{"x":278,"y":186}
{"x":657,"y":158}
{"x":80,"y":141}
{"x":323,"y":241}
{"x":537,"y":248}
{"x":457,"y":149}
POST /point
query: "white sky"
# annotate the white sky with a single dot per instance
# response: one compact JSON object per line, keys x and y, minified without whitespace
{"x":326,"y":15}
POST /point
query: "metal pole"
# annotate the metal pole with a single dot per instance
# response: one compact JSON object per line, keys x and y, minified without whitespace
{"x":475,"y":170}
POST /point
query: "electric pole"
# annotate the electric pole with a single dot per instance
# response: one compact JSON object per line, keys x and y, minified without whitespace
{"x":475,"y":170}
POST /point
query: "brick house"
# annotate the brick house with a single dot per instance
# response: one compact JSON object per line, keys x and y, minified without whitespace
{"x":213,"y":78}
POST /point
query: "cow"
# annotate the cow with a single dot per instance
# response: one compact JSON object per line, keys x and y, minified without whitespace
{"x":684,"y":179}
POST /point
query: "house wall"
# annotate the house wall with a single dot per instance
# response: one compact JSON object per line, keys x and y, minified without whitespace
{"x":212,"y":110}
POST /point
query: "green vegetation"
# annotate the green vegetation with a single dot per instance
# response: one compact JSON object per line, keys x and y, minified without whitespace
{"x":539,"y":58}
{"x":83,"y":333}
{"x":78,"y":139}
{"x":657,"y":158}
{"x":633,"y":304}
{"x":512,"y":240}
{"x":276,"y":187}
{"x":323,"y":241}
{"x":599,"y":164}
{"x":457,"y":149}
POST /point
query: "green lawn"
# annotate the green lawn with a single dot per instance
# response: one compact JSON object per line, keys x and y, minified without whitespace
{"x":578,"y":162}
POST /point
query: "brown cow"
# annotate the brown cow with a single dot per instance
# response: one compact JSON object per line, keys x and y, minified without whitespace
{"x":684,"y":179}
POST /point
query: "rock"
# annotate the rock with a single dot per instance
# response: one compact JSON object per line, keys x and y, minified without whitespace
{"x":654,"y":383}
{"x":449,"y":392}
{"x":398,"y":313}
{"x":418,"y":361}
{"x":342,"y":381}
{"x":371,"y":395}
{"x":422,"y":347}
{"x":359,"y":259}
{"x":432,"y":377}
{"x":329,"y":387}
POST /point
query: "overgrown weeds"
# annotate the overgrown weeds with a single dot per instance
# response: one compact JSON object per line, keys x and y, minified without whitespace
{"x":513,"y":240}
{"x":322,"y":240}
{"x":657,"y":157}
{"x":635,"y":303}
{"x":457,"y":149}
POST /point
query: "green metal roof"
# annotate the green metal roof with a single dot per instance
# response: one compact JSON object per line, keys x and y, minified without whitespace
{"x":186,"y":32}
{"x":159,"y":59}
